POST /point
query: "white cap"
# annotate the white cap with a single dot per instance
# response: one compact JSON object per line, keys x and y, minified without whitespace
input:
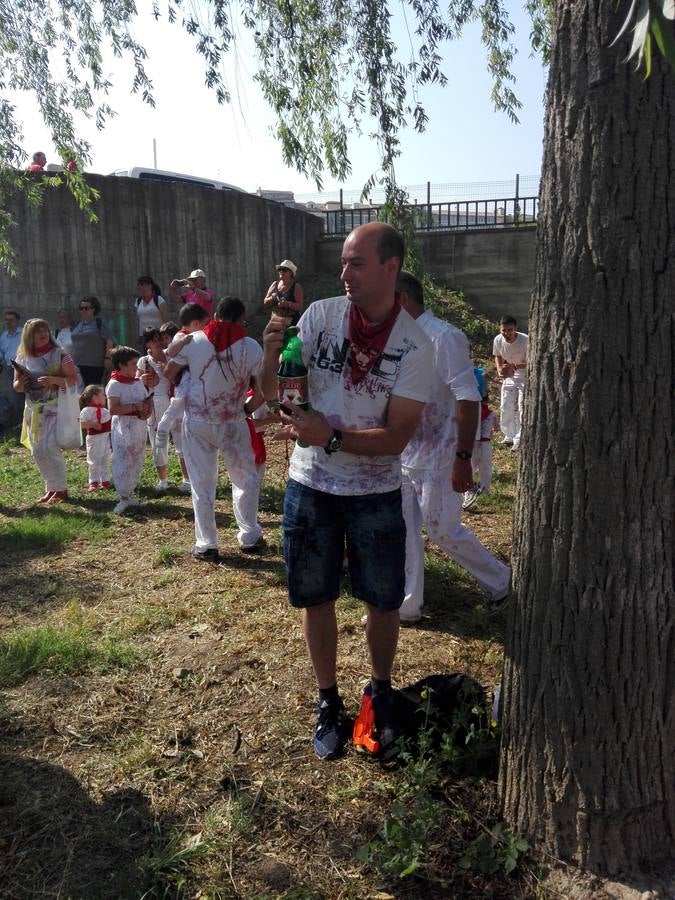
{"x":197,"y":273}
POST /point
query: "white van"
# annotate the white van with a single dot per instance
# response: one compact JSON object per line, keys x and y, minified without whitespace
{"x":160,"y":175}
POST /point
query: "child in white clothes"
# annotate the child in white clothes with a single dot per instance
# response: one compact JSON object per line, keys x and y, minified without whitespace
{"x":95,"y":418}
{"x":482,"y":449}
{"x":130,"y":405}
{"x":192,"y":317}
{"x":154,"y":362}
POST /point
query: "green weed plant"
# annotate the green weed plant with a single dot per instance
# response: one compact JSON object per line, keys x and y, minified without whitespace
{"x":419,"y":810}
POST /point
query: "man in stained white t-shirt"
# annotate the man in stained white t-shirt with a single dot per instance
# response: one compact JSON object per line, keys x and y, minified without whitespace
{"x":509,"y":349}
{"x":221,"y":360}
{"x":436,"y":464}
{"x":368,"y":377}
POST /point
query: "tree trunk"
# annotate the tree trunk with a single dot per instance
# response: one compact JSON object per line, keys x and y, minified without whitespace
{"x":588,"y":751}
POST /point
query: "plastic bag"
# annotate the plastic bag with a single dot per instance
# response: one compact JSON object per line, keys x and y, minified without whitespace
{"x":68,"y":430}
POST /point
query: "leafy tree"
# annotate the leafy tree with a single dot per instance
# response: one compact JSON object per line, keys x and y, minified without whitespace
{"x":589,"y":719}
{"x":325,"y":67}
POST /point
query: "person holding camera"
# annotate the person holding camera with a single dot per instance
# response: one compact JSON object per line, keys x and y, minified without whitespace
{"x":192,"y":289}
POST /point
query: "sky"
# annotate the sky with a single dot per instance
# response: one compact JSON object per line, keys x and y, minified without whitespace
{"x":466,"y":139}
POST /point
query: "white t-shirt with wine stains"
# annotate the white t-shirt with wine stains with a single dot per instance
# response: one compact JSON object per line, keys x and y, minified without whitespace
{"x":402,"y":370}
{"x":433,"y":444}
{"x":218,"y":381}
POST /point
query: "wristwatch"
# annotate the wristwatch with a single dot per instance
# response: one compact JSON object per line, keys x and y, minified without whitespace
{"x":335,"y":443}
{"x":463,"y":454}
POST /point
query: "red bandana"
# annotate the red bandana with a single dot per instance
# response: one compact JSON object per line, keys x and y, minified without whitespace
{"x":368,"y":340}
{"x":43,"y":350}
{"x":123,"y":379}
{"x":223,"y":334}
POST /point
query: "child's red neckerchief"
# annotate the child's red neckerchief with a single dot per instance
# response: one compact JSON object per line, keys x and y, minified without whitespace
{"x":123,"y":379}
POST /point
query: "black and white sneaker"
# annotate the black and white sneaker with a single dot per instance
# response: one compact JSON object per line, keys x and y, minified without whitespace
{"x":333,"y":729}
{"x":210,"y":554}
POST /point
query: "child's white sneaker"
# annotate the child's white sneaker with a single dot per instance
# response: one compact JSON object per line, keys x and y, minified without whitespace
{"x":122,"y":506}
{"x":162,"y":486}
{"x":185,"y":487}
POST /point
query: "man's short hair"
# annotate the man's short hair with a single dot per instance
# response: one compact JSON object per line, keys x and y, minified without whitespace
{"x":191,"y":312}
{"x":122,"y":355}
{"x":230,"y":309}
{"x":390,"y":243}
{"x":407,"y":283}
{"x":507,"y":320}
{"x":13,"y":312}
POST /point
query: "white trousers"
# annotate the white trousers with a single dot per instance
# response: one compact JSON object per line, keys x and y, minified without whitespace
{"x":511,"y":410}
{"x":482,"y":464}
{"x":166,"y":420}
{"x":46,"y":452}
{"x":129,"y":436}
{"x":99,"y":452}
{"x":202,"y":441}
{"x":429,"y":500}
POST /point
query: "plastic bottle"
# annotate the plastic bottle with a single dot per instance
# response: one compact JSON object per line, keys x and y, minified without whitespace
{"x":292,"y":386}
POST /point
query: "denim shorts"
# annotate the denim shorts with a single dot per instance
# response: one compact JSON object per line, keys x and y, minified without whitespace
{"x":316,"y":528}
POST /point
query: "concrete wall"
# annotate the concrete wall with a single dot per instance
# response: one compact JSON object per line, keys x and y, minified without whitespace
{"x":145,"y":227}
{"x":494,"y":268}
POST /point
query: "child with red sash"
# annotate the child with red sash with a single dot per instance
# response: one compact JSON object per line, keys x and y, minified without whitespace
{"x":192,"y":318}
{"x":130,"y":405}
{"x":95,"y":418}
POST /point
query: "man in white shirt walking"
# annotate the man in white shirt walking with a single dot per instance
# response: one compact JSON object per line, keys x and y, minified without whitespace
{"x":436,"y":464}
{"x":510,"y":352}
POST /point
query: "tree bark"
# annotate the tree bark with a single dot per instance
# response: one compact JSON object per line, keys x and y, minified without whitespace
{"x":588,"y":750}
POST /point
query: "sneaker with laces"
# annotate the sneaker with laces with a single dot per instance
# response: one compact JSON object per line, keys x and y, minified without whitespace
{"x":185,"y":487}
{"x":332,"y":729}
{"x":470,"y":497}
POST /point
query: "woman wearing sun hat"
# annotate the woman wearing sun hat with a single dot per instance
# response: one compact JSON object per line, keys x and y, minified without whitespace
{"x":192,"y":289}
{"x":285,"y":295}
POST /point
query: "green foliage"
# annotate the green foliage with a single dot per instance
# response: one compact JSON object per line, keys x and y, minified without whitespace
{"x":418,"y":810}
{"x":52,"y":529}
{"x":71,"y":648}
{"x":496,"y":848}
{"x":325,"y":67}
{"x":452,"y":306}
{"x":168,"y":866}
{"x":167,"y":556}
{"x":653,"y":19}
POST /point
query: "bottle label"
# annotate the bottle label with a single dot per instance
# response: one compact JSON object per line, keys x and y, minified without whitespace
{"x":293,"y":389}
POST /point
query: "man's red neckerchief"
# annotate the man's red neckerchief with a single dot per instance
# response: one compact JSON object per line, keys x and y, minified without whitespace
{"x":368,"y":340}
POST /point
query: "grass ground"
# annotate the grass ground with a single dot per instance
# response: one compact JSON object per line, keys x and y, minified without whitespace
{"x":156,"y":713}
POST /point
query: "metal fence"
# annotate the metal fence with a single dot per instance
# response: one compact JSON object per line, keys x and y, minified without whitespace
{"x":435,"y":207}
{"x":462,"y":215}
{"x":432,"y":192}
